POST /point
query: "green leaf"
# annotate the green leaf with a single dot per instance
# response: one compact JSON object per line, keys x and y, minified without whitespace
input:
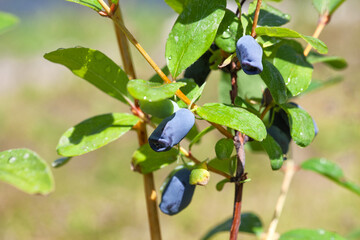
{"x":228,"y":32}
{"x":193,"y":33}
{"x":223,"y":165}
{"x":197,"y":138}
{"x":152,"y":92}
{"x":334,"y":62}
{"x":94,"y":67}
{"x":239,"y":102}
{"x":7,"y":21}
{"x":268,"y":16}
{"x":224,"y":148}
{"x":274,"y":81}
{"x":327,"y":6}
{"x":301,"y":125}
{"x":250,"y":223}
{"x":191,"y":90}
{"x":235,"y":118}
{"x":60,"y":162}
{"x":146,"y":160}
{"x":288,"y":33}
{"x":331,"y":171}
{"x":220,"y":185}
{"x":316,"y":84}
{"x":310,"y":234}
{"x":25,"y":170}
{"x":177,"y":5}
{"x":294,"y":68}
{"x":94,"y":133}
{"x":274,"y":152}
{"x":93,"y":4}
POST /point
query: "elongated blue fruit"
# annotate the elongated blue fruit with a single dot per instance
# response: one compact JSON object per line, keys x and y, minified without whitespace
{"x":178,"y":193}
{"x":249,"y":53}
{"x":172,"y":130}
{"x":280,"y":129}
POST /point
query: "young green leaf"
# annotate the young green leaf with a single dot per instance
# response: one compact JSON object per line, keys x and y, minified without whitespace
{"x":274,"y":81}
{"x":235,"y":118}
{"x":250,"y":223}
{"x":95,"y":67}
{"x":268,"y":16}
{"x":228,"y":32}
{"x":224,"y":148}
{"x":177,"y":5}
{"x":7,"y":21}
{"x":327,"y":6}
{"x":334,"y":62}
{"x":193,"y":33}
{"x":220,"y":185}
{"x":25,"y":170}
{"x":146,"y":160}
{"x":331,"y":171}
{"x":274,"y":152}
{"x":151,"y":91}
{"x":93,"y":4}
{"x":288,"y":33}
{"x":318,"y":234}
{"x":94,"y":133}
{"x":301,"y":125}
{"x":294,"y":68}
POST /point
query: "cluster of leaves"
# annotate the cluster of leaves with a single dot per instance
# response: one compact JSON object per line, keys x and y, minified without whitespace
{"x":206,"y":39}
{"x":204,"y":35}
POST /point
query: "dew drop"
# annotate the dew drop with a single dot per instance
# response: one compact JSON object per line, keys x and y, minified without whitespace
{"x":226,"y":35}
{"x":26,"y":156}
{"x":12,"y":159}
{"x":169,"y":57}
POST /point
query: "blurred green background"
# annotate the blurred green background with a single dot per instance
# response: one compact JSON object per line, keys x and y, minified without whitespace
{"x":97,"y":195}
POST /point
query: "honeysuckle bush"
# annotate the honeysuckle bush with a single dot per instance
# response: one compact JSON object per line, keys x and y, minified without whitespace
{"x":256,"y":111}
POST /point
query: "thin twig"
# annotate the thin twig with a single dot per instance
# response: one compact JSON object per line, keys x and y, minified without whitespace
{"x":124,"y":45}
{"x":149,"y":184}
{"x":256,"y":17}
{"x":290,"y":170}
{"x":239,"y":141}
{"x":323,"y":21}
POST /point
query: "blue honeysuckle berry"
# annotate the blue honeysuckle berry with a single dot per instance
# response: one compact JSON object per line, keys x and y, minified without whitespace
{"x":280,"y":129}
{"x":249,"y":53}
{"x":178,"y":193}
{"x":172,"y":130}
